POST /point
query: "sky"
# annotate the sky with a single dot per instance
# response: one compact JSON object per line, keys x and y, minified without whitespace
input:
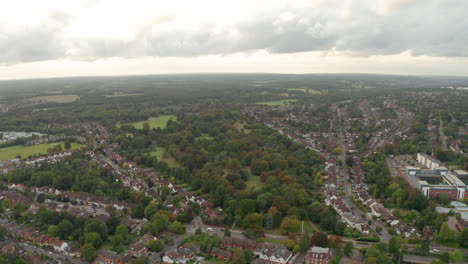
{"x":56,"y":38}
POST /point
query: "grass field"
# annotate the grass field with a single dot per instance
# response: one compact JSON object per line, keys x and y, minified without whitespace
{"x":241,"y":127}
{"x":159,"y":153}
{"x":154,"y":122}
{"x":121,"y":95}
{"x":276,"y":103}
{"x":56,"y":98}
{"x":305,"y":90}
{"x":26,"y":151}
{"x":253,"y":183}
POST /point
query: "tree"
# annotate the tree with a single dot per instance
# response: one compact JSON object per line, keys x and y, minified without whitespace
{"x":141,"y":260}
{"x":304,"y":243}
{"x":88,"y":252}
{"x":67,"y":145}
{"x":319,"y":239}
{"x":65,"y":228}
{"x":146,"y":126}
{"x":53,"y":230}
{"x":446,"y":234}
{"x":258,"y":166}
{"x":94,"y":239}
{"x":269,"y":221}
{"x":464,"y":238}
{"x":394,"y":244}
{"x":177,"y":228}
{"x":227,"y":233}
{"x":290,"y":225}
{"x":138,"y":211}
{"x":238,"y":257}
{"x":348,"y":249}
{"x":456,"y":256}
{"x":155,"y":245}
{"x":3,"y":231}
{"x":122,"y":231}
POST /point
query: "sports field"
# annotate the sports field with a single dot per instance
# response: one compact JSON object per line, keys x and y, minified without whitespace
{"x":26,"y":151}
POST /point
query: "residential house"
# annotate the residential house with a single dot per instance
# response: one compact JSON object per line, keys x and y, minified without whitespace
{"x":221,"y":254}
{"x":318,"y":255}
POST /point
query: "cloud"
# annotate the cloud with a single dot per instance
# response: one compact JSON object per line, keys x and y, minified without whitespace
{"x":354,"y":27}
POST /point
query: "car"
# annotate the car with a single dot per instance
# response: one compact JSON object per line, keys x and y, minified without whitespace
{"x":209,"y":229}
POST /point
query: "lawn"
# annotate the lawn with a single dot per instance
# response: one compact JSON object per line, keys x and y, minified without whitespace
{"x":253,"y":183}
{"x":26,"y":151}
{"x":276,"y":103}
{"x":56,"y":98}
{"x":160,"y":154}
{"x":154,"y":122}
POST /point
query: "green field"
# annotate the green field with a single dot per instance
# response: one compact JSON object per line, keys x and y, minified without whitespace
{"x":56,"y":98}
{"x":305,"y":90}
{"x":26,"y":151}
{"x":160,"y":154}
{"x":253,"y":183}
{"x":154,"y":122}
{"x":276,"y":103}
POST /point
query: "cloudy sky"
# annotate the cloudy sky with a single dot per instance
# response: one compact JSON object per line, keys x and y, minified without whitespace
{"x":51,"y":38}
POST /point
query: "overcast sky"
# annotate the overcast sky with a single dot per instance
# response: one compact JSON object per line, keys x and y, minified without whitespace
{"x":50,"y":38}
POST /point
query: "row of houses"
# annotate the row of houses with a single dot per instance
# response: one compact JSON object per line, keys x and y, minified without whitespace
{"x":28,"y":234}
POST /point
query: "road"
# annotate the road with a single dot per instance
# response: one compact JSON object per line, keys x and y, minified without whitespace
{"x":441,"y":134}
{"x":51,"y":254}
{"x":384,"y":235}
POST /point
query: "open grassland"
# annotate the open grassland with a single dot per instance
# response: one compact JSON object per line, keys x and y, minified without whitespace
{"x":305,"y":90}
{"x":276,"y":103}
{"x":55,"y":98}
{"x":161,"y":154}
{"x":154,"y":122}
{"x":26,"y":151}
{"x":241,"y":127}
{"x":253,"y":183}
{"x":122,"y":95}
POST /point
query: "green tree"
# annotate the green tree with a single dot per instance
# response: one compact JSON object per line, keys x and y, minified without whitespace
{"x":67,"y":145}
{"x":304,"y":243}
{"x":88,"y":252}
{"x":122,"y":231}
{"x":141,"y":260}
{"x":3,"y":231}
{"x":238,"y":257}
{"x":53,"y":230}
{"x":94,"y":239}
{"x":464,"y":238}
{"x":456,"y":256}
{"x":155,"y":245}
{"x":446,"y":234}
{"x":65,"y":228}
{"x":177,"y":228}
{"x":227,"y":233}
{"x":319,"y":239}
{"x":348,"y":249}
